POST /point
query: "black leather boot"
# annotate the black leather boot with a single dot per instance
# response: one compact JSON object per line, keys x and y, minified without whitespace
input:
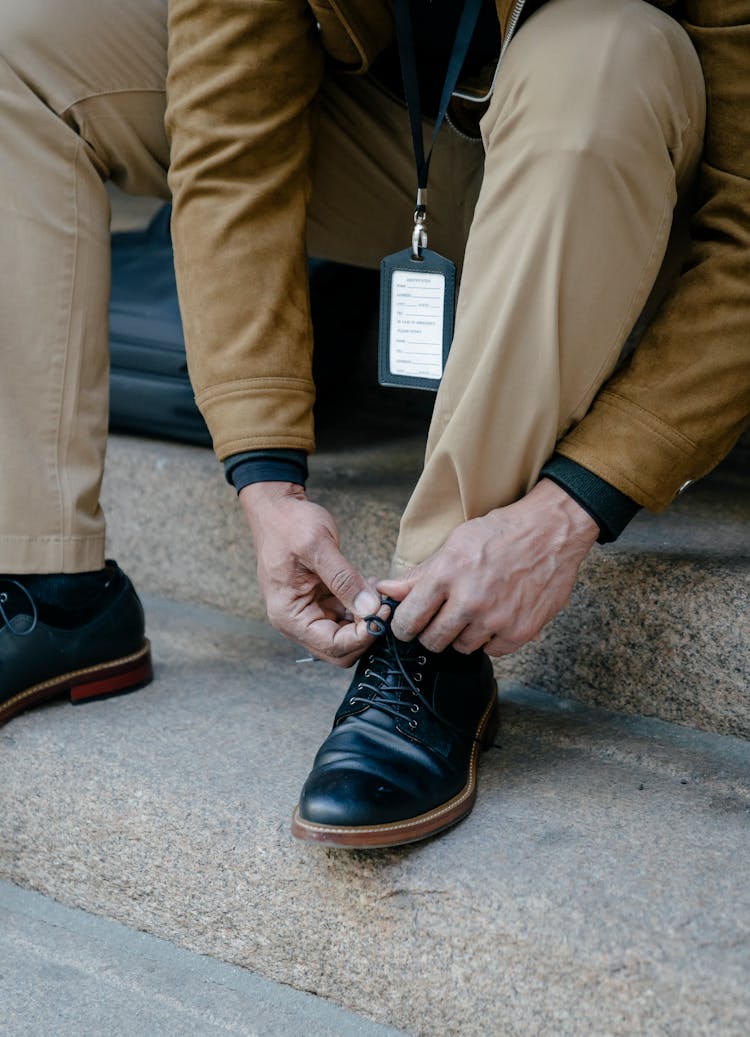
{"x":91,"y":649}
{"x":401,"y":761}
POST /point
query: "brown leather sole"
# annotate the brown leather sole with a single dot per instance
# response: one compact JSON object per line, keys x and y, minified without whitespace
{"x":412,"y":829}
{"x":93,"y":682}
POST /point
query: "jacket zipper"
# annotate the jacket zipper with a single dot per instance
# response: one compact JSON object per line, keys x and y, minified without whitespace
{"x":510,"y":31}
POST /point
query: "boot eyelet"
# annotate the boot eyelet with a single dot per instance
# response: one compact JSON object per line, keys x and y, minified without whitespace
{"x":368,"y":673}
{"x":360,"y":687}
{"x":417,"y":677}
{"x":3,"y":598}
{"x":422,"y":660}
{"x":371,"y":658}
{"x":415,"y":708}
{"x":412,"y":723}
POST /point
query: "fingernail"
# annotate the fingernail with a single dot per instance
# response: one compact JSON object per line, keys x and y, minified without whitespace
{"x":366,"y":603}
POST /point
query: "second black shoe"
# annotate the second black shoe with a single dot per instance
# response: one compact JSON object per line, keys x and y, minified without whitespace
{"x":55,"y":642}
{"x":401,"y":761}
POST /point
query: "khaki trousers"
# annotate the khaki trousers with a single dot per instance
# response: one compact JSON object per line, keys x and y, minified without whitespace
{"x":561,"y":216}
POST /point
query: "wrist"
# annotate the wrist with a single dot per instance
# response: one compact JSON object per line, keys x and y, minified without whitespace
{"x":564,"y":512}
{"x":610,"y":508}
{"x":258,"y":496}
{"x":550,"y":513}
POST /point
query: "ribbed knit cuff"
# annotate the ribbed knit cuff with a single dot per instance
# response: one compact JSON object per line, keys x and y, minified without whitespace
{"x":266,"y":466}
{"x":609,"y":507}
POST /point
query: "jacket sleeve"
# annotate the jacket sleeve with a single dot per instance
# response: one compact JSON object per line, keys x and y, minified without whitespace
{"x":241,"y":90}
{"x":678,"y":406}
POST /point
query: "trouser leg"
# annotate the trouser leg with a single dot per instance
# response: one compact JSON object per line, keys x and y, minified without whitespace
{"x":81,"y":100}
{"x":593,"y":131}
{"x":364,"y":187}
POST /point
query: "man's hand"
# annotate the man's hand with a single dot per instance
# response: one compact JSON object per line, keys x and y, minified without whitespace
{"x":497,"y":580}
{"x":312,"y":593}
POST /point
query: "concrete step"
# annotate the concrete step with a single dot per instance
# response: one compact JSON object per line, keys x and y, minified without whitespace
{"x":66,"y":972}
{"x":658,"y":624}
{"x":598,"y":887}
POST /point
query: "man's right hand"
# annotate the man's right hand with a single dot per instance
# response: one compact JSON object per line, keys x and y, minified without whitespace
{"x":312,"y":593}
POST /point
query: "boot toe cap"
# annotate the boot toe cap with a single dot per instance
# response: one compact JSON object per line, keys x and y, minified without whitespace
{"x":345,"y":798}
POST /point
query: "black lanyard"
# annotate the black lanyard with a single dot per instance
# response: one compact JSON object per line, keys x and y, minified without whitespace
{"x":407,"y":54}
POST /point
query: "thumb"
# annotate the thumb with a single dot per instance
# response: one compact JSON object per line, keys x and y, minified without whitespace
{"x":343,"y":580}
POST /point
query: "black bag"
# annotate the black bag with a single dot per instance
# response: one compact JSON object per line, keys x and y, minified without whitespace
{"x":150,"y":391}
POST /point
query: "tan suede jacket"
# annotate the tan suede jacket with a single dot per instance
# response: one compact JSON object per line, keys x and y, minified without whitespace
{"x":242,"y":84}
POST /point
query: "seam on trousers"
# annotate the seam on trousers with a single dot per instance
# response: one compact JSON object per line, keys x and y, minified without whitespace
{"x":64,"y":435}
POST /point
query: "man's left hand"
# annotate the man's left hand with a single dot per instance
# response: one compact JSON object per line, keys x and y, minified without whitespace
{"x":497,"y":580}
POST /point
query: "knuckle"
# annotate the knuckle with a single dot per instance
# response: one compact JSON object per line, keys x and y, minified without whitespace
{"x":468,"y":606}
{"x":403,"y":626}
{"x":402,"y":633}
{"x":463,"y":646}
{"x":502,"y":646}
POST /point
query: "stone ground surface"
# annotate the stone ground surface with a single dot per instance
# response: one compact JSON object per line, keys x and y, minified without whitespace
{"x":659,"y":622}
{"x":65,"y":972}
{"x":599,"y":887}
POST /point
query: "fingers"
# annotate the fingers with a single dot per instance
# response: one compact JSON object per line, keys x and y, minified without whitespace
{"x":417,"y":610}
{"x":342,"y":579}
{"x":338,"y":643}
{"x":498,"y":646}
{"x":443,"y":606}
{"x":396,"y":589}
{"x":456,"y":626}
{"x":430,"y":611}
{"x":312,"y":593}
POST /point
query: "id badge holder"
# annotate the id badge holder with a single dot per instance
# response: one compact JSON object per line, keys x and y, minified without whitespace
{"x":417,"y":286}
{"x":417,"y":312}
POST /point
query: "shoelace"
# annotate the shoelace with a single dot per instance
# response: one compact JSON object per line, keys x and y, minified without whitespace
{"x":391,"y":700}
{"x":8,"y":620}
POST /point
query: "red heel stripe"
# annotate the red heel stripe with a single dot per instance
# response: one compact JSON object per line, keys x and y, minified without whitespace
{"x":132,"y":677}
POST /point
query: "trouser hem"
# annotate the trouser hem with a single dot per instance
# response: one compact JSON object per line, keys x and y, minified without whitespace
{"x":26,"y":555}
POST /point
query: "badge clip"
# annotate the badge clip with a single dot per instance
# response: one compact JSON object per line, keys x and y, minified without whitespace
{"x":419,"y":234}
